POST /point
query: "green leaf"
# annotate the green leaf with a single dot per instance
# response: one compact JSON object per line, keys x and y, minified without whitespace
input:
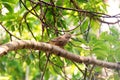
{"x":100,"y":53}
{"x":82,"y":1}
{"x":47,"y":75}
{"x":8,"y":6}
{"x":12,"y":27}
{"x":10,"y":1}
{"x":84,"y":26}
{"x":28,"y":61}
{"x":32,"y":57}
{"x":59,"y":3}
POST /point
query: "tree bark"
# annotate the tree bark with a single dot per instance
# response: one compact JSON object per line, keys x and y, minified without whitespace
{"x":28,"y":44}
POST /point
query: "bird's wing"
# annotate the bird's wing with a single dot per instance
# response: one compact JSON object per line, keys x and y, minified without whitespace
{"x":56,"y":39}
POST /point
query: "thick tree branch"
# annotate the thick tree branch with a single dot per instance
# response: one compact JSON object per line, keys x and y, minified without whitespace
{"x":27,"y":44}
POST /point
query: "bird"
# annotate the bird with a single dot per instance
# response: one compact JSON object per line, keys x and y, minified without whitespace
{"x":61,"y":41}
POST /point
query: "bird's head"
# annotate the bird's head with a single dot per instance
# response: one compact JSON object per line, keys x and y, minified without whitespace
{"x":67,"y":35}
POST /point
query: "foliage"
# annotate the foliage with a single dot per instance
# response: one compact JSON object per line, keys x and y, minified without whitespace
{"x":44,"y":20}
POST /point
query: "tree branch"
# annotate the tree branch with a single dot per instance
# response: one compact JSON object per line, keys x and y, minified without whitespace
{"x":78,"y":9}
{"x":27,"y":44}
{"x":8,"y":31}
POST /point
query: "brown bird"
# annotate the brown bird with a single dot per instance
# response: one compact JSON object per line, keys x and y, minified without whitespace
{"x":61,"y":41}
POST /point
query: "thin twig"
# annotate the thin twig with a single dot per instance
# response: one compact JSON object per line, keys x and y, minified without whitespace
{"x":98,"y":14}
{"x":84,"y":11}
{"x":29,"y":28}
{"x":45,"y":67}
{"x":86,"y":70}
{"x":87,"y":31}
{"x":90,"y":72}
{"x":78,"y":67}
{"x":9,"y":32}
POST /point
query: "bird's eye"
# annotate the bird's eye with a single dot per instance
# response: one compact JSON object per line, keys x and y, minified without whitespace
{"x":68,"y":37}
